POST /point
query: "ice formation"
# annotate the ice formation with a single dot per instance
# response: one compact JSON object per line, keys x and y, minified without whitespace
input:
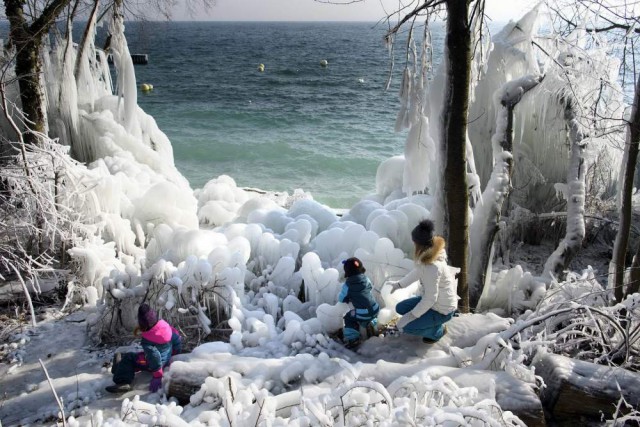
{"x":540,"y":152}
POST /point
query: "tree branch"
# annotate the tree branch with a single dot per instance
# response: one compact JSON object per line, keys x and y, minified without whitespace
{"x":414,"y":13}
{"x":613,"y":25}
{"x":47,"y":17}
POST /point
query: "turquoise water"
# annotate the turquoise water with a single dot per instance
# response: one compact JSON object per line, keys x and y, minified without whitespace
{"x":295,"y":125}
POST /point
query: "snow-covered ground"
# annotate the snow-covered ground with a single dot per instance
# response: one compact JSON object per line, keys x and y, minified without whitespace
{"x":80,"y":372}
{"x":77,"y":371}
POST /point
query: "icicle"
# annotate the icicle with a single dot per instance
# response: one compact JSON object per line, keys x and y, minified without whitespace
{"x":405,"y":93}
{"x":127,"y":90}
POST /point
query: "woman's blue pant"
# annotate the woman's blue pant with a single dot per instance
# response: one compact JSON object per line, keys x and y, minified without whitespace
{"x":429,"y":325}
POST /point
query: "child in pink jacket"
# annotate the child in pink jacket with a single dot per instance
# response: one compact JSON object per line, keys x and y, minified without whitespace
{"x":160,"y":341}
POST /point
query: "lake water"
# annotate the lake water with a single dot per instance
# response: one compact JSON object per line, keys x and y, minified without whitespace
{"x":297,"y":124}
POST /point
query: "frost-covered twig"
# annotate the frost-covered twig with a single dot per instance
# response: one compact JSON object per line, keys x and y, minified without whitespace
{"x":53,"y":390}
{"x":631,"y":417}
{"x":26,"y":293}
{"x":591,"y":333}
{"x":15,"y":128}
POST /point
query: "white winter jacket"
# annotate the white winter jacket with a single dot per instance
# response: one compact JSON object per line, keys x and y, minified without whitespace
{"x":437,"y":280}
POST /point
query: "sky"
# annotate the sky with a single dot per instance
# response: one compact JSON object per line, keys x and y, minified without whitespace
{"x":312,"y":10}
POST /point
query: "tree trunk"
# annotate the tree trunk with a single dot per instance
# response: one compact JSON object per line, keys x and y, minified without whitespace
{"x":27,"y":40}
{"x":630,"y":160}
{"x":574,"y":234}
{"x":634,"y":282}
{"x":27,"y":70}
{"x":455,"y":113}
{"x":487,"y":213}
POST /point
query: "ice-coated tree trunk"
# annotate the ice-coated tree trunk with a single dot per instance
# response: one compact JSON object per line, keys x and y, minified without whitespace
{"x":630,"y":161}
{"x":454,"y":119}
{"x":559,"y":260}
{"x":27,"y":41}
{"x":87,"y":36}
{"x":487,"y":213}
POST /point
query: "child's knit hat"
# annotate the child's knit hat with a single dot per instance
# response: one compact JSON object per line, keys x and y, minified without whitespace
{"x":422,"y":234}
{"x":352,"y":267}
{"x":147,"y":317}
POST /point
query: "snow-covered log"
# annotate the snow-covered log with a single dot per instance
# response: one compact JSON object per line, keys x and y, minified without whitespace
{"x":486,"y":215}
{"x":187,"y":378}
{"x":578,"y":390}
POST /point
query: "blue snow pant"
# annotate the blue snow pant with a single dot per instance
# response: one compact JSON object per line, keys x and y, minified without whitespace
{"x":356,"y":318}
{"x":125,"y":366}
{"x":429,"y":325}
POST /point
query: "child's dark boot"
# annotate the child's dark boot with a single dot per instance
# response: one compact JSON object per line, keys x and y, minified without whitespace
{"x":118,"y":388}
{"x":351,"y":344}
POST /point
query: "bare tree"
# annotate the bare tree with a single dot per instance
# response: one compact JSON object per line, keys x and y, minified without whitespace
{"x":455,"y":116}
{"x":621,"y":244}
{"x":26,"y":36}
{"x":453,"y":193}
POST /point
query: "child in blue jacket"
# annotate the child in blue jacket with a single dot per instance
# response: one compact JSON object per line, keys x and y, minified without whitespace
{"x":160,"y":341}
{"x":357,"y":291}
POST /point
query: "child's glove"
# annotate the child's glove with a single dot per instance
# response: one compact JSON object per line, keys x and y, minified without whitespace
{"x":405,"y":320}
{"x":156,"y":382}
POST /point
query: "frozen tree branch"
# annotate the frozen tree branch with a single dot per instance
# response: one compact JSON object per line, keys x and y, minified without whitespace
{"x":413,"y":14}
{"x":487,"y":213}
{"x":574,"y":193}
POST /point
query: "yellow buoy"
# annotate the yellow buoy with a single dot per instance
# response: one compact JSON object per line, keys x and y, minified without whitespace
{"x":261,"y":67}
{"x":324,"y":63}
{"x":146,"y":87}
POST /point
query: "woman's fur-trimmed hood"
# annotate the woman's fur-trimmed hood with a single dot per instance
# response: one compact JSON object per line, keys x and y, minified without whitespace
{"x":434,"y":252}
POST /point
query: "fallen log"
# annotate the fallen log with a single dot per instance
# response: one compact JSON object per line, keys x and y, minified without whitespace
{"x":11,"y":292}
{"x":183,"y":388}
{"x":189,"y":372}
{"x":182,"y":391}
{"x":579,"y":392}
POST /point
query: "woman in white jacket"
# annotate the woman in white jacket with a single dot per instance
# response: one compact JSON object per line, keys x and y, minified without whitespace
{"x":426,"y":315}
